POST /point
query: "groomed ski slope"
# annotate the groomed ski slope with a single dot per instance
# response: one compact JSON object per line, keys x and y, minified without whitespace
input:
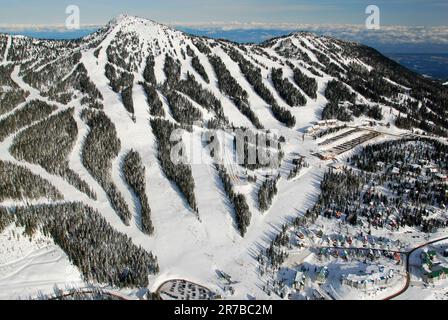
{"x":186,"y":247}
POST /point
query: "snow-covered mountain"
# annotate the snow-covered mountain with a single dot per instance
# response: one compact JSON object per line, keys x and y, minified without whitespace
{"x":85,"y":143}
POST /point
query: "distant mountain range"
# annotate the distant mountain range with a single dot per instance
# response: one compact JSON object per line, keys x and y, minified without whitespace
{"x":427,"y":58}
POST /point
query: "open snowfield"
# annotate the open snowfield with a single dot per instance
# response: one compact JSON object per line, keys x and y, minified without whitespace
{"x":33,"y":267}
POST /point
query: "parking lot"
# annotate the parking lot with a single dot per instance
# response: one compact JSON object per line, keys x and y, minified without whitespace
{"x":179,"y":289}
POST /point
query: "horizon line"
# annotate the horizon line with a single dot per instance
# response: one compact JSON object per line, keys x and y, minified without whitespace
{"x":213,"y":25}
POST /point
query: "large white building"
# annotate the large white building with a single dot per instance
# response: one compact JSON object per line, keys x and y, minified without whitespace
{"x":373,"y":276}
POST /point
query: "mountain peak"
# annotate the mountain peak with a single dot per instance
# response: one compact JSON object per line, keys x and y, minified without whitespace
{"x":126,"y":19}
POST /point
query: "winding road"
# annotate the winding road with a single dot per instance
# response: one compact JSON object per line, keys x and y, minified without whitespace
{"x":408,"y":267}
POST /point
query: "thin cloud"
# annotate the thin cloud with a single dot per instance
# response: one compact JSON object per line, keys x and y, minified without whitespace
{"x":387,"y":34}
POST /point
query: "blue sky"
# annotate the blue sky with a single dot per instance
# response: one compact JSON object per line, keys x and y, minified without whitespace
{"x":393,"y":12}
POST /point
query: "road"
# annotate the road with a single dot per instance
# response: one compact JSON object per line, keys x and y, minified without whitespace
{"x":408,"y":267}
{"x":113,"y":296}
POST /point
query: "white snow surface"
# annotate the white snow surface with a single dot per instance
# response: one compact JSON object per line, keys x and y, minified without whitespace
{"x":186,"y":247}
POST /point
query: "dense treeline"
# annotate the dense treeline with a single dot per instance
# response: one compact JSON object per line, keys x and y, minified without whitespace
{"x":371,"y":84}
{"x":327,"y":131}
{"x":339,"y":191}
{"x":34,"y":110}
{"x":125,"y":51}
{"x":126,"y":97}
{"x":5,"y":219}
{"x":254,"y":77}
{"x":407,"y":152}
{"x":77,"y":80}
{"x":118,"y":79}
{"x":134,"y":173}
{"x":154,"y":103}
{"x":258,"y":150}
{"x":172,"y":69}
{"x":298,"y":164}
{"x":121,"y":82}
{"x":179,"y":173}
{"x":337,"y":92}
{"x":286,"y":89}
{"x":19,"y":183}
{"x":374,"y":112}
{"x":202,"y":96}
{"x":10,"y":93}
{"x":99,"y":252}
{"x":51,"y":74}
{"x":148,"y":72}
{"x":307,"y":84}
{"x":199,"y":68}
{"x":5,"y":76}
{"x":433,"y":94}
{"x":407,"y":123}
{"x":203,"y":48}
{"x":288,"y":50}
{"x":242,"y":212}
{"x":182,"y":109}
{"x":229,"y":86}
{"x":101,"y":146}
{"x":392,"y":189}
{"x":49,"y":144}
{"x":266,"y":193}
{"x":330,"y":67}
{"x":9,"y":100}
{"x":336,"y":111}
{"x":419,"y":117}
{"x":274,"y":253}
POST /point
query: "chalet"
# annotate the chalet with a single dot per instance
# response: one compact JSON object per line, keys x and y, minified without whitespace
{"x":310,"y":130}
{"x":372,"y":276}
{"x":432,"y":268}
{"x":285,"y":291}
{"x":431,"y":171}
{"x":437,"y":273}
{"x":337,"y":166}
{"x":349,"y":240}
{"x":325,"y":155}
{"x":328,"y":122}
{"x":323,"y":274}
{"x":299,"y":281}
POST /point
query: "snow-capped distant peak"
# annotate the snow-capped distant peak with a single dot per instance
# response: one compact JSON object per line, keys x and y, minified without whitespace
{"x":127,"y":20}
